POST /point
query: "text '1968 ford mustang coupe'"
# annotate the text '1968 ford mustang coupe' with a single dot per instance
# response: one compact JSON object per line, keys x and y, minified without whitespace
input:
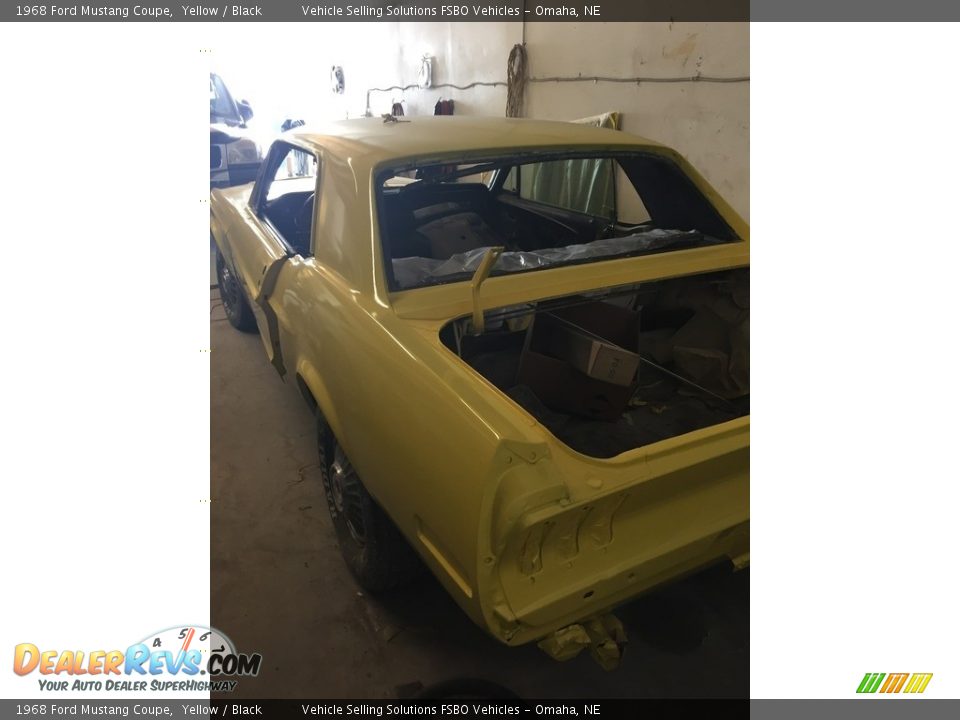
{"x":527,"y":347}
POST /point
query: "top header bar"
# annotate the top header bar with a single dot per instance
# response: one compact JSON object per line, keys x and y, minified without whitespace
{"x":381,"y":11}
{"x":483,"y":11}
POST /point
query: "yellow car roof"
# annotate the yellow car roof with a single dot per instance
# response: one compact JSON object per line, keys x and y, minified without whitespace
{"x":374,"y":141}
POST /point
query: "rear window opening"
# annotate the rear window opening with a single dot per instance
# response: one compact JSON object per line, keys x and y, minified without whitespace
{"x":546,"y":210}
{"x":613,"y":371}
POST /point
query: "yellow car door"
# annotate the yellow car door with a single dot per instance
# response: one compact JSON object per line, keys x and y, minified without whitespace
{"x":268,"y":234}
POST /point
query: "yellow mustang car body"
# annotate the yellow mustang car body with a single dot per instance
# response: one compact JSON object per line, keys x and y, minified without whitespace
{"x":532,"y":538}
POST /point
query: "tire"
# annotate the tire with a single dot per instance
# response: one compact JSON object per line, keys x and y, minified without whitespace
{"x":235,"y":304}
{"x":376,"y":553}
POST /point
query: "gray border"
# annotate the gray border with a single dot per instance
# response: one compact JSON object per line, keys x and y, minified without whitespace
{"x":511,"y":10}
{"x":377,"y":11}
{"x":854,"y":11}
{"x":873,"y":707}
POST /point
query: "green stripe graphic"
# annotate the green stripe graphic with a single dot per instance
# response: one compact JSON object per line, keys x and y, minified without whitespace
{"x":871,"y":682}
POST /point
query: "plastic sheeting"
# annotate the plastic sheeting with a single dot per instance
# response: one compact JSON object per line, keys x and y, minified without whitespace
{"x":415,"y":271}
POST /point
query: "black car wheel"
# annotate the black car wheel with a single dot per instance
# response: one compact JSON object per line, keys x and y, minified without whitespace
{"x":376,"y":553}
{"x":235,"y":305}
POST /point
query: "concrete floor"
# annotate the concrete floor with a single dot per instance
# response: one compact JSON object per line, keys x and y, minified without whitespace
{"x":279,"y":587}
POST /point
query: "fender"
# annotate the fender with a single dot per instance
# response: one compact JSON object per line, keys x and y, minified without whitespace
{"x":315,"y":393}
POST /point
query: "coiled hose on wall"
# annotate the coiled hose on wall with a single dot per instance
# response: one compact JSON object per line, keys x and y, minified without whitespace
{"x":516,"y":80}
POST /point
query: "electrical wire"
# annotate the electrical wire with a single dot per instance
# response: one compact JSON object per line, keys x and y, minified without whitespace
{"x":577,"y":78}
{"x":639,"y":80}
{"x":415,"y":86}
{"x":478,"y":83}
{"x":517,"y":79}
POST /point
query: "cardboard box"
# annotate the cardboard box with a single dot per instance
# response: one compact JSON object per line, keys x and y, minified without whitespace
{"x":562,"y":387}
{"x":570,"y":355}
{"x":592,"y":355}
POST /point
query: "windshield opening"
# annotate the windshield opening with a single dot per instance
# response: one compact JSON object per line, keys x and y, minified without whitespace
{"x":438,"y":220}
{"x":222,"y":107}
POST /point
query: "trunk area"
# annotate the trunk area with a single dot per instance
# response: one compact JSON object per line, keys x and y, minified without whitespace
{"x":689,"y":339}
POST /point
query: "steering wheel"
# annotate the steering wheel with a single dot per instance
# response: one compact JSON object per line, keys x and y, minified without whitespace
{"x":304,"y":217}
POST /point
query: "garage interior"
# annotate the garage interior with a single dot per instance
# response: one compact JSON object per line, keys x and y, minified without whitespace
{"x":278,"y":583}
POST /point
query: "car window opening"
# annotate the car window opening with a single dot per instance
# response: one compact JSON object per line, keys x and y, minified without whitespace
{"x":438,"y":220}
{"x":289,"y":200}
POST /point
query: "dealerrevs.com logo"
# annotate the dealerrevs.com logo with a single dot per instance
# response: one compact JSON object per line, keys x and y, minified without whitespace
{"x":910,"y":683}
{"x":183,"y":659}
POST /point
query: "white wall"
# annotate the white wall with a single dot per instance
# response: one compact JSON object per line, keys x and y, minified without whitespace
{"x":462,"y":53}
{"x":286,"y":74}
{"x":708,"y":123}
